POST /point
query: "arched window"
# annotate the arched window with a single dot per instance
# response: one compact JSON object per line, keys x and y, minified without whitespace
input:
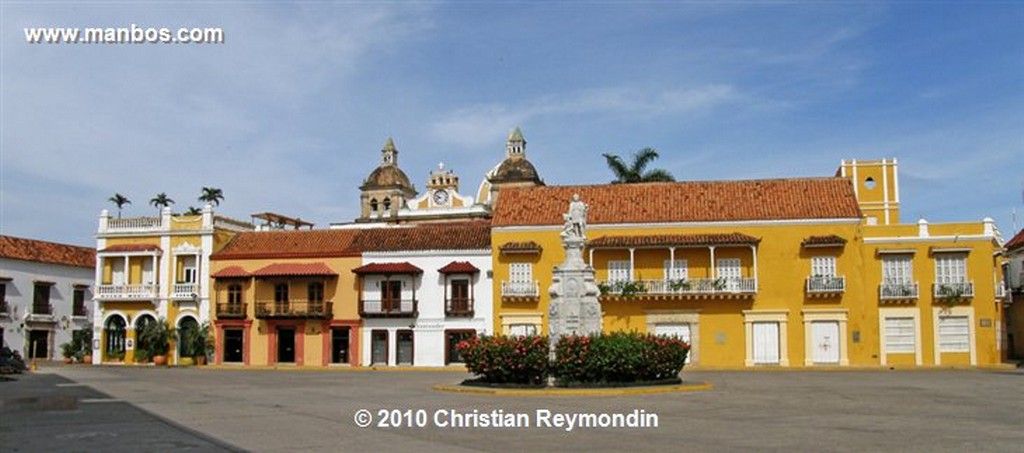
{"x":114,"y":332}
{"x":140,"y":325}
{"x":387,"y":204}
{"x":373,"y":204}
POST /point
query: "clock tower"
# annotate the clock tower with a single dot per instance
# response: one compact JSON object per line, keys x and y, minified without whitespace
{"x":442,"y":187}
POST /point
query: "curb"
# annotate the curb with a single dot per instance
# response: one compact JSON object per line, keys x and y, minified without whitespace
{"x":620,"y":391}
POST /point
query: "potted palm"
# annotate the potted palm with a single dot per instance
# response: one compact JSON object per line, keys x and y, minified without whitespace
{"x":198,"y":343}
{"x":156,"y":338}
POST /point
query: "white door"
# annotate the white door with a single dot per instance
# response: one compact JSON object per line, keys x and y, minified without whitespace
{"x":729,"y":270}
{"x":680,"y":331}
{"x":766,"y":343}
{"x":147,"y":271}
{"x":825,"y":337}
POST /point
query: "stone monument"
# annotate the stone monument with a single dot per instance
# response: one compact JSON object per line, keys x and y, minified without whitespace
{"x":574,"y":308}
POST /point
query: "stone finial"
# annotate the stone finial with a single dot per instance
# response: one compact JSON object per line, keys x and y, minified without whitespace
{"x":922,"y":228}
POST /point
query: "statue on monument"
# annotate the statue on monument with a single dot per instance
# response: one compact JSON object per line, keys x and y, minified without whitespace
{"x":575,"y":219}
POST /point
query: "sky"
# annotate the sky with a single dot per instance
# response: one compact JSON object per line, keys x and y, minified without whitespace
{"x":289,"y":114}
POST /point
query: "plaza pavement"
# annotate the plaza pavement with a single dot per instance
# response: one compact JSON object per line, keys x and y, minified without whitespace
{"x":131,"y":408}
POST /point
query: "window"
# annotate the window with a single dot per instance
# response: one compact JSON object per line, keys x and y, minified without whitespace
{"x":78,"y":309}
{"x":729,"y":270}
{"x":823,"y":266}
{"x":521,"y":272}
{"x":522,"y":330}
{"x":339,"y":344}
{"x":189,"y":273}
{"x":387,"y":204}
{"x":950,"y":268}
{"x":316,"y":292}
{"x":41,"y":299}
{"x":234,"y":294}
{"x":900,"y":335}
{"x":618,"y":271}
{"x":897,"y":270}
{"x":459,"y":297}
{"x":453,"y":337}
{"x":373,"y":205}
{"x":281,"y":292}
{"x":676,"y":271}
{"x":391,"y":295}
{"x":954,"y":334}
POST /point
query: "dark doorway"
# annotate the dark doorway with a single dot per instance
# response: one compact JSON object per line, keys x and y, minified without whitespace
{"x":405,"y":347}
{"x":234,"y":341}
{"x":39,"y":344}
{"x":379,"y":347}
{"x":115,"y":347}
{"x":339,"y":344}
{"x":286,"y":344}
{"x":452,"y":339}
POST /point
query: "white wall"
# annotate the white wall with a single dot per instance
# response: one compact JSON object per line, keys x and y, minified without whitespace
{"x":429,"y":328}
{"x":20,"y":294}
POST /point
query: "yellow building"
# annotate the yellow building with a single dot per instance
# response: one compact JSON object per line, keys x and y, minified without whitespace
{"x":151,"y":268}
{"x":786,"y":272}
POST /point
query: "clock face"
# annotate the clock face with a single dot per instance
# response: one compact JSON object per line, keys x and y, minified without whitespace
{"x":441,"y":197}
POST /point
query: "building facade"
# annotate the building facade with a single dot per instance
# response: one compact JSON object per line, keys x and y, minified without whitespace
{"x":788,"y":272}
{"x":150,"y":269}
{"x":44,"y":289}
{"x":1013,"y":296}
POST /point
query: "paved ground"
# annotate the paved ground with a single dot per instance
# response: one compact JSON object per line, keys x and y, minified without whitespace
{"x":204,"y":409}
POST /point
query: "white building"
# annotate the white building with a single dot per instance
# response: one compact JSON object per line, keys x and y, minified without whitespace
{"x":422,"y":290}
{"x":44,"y":287}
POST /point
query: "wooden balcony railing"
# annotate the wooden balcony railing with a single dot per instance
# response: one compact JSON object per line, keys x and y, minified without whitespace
{"x":79,"y":310}
{"x":294,"y":309}
{"x":459,"y":307}
{"x":389,"y":308}
{"x":232,"y":310}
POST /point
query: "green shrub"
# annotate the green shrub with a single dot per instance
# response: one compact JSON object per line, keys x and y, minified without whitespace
{"x":618,"y":357}
{"x":507,"y":360}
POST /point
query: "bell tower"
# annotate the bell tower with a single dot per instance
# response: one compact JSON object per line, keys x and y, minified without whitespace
{"x":876,"y":184}
{"x":386,"y":189}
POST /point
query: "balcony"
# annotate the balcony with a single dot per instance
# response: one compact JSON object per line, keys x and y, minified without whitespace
{"x":41,"y":313}
{"x":135,"y":224}
{"x":185,"y":291}
{"x":232,"y":311}
{"x":294,"y":309}
{"x":953,"y":291}
{"x":698,"y":288}
{"x":389,"y":308}
{"x":459,"y":308}
{"x":1001,"y":291}
{"x":898,"y":291}
{"x":79,"y":311}
{"x":128,"y":292}
{"x":825,"y":285}
{"x":520,"y":290}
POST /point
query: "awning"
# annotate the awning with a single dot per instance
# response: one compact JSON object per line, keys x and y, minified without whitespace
{"x":232,"y":272}
{"x":520,"y":247}
{"x":824,"y":241}
{"x":458,"y":267}
{"x":388,"y":268}
{"x":673,"y":240}
{"x":295,"y":270}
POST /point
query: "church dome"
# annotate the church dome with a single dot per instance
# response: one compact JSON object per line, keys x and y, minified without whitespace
{"x":386,"y":176}
{"x":515,"y":169}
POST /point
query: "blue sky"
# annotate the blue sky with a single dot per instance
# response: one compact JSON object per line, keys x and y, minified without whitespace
{"x":290,"y":113}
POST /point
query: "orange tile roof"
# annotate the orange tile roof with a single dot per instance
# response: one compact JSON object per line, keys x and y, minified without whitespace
{"x":232,"y":272}
{"x":131,"y":248}
{"x":428,"y":236}
{"x":22,"y":249}
{"x":289,"y":244}
{"x":1017,"y":241}
{"x":823,"y":241}
{"x":698,"y":201}
{"x":295,"y":270}
{"x":388,"y":268}
{"x":667,"y":240}
{"x":459,"y":267}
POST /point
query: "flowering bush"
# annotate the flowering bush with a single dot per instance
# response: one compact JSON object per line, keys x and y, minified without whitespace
{"x":618,"y":357}
{"x":507,"y":360}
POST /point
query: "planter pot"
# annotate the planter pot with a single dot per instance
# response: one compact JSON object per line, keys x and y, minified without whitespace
{"x":87,"y":359}
{"x":68,"y":360}
{"x":186,"y":361}
{"x":159,"y":360}
{"x":201,"y":360}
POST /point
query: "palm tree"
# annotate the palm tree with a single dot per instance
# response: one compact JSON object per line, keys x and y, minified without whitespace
{"x":212,"y":195}
{"x":120,"y":201}
{"x":192,"y":210}
{"x":161,"y":200}
{"x":635,"y":171}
